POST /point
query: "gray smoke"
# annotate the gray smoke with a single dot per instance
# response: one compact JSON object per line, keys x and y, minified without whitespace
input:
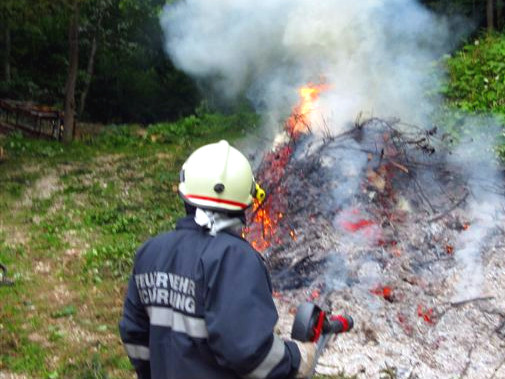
{"x":486,"y":204}
{"x":376,"y":55}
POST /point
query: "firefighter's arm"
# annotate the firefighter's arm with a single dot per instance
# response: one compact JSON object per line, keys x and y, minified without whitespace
{"x":134,"y":330}
{"x":240,"y":317}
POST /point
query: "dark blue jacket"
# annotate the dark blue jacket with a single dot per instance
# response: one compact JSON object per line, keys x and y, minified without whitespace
{"x":201,"y":307}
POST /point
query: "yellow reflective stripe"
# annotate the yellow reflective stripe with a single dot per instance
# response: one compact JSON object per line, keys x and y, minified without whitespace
{"x":273,"y":358}
{"x":167,"y":317}
{"x":137,"y":351}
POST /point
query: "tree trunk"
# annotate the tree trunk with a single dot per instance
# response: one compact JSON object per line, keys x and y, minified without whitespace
{"x":499,"y":14}
{"x":90,"y":69}
{"x":73,"y":41}
{"x":490,"y":15}
{"x":7,"y":54}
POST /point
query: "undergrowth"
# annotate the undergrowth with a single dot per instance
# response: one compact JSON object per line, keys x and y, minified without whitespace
{"x":475,"y":91}
{"x":71,"y":218}
{"x":477,"y":76}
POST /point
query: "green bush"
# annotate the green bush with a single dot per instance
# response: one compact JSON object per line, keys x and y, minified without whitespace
{"x":202,"y":125}
{"x":182,"y":131}
{"x":114,"y":136}
{"x":114,"y":221}
{"x":477,"y":76}
{"x":17,"y":145}
{"x":112,"y":259}
{"x":175,"y":131}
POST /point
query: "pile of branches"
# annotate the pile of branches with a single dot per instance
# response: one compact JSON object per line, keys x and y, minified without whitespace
{"x":404,"y":164}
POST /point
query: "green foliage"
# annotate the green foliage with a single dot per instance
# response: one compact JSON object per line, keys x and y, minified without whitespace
{"x":112,"y":259}
{"x":182,"y":132}
{"x":475,"y":91}
{"x":203,"y":125}
{"x":173,"y":132}
{"x":66,"y":311}
{"x":55,"y":333}
{"x":106,"y":198}
{"x":114,"y":221}
{"x":17,"y":145}
{"x":133,"y":79}
{"x":27,"y":357}
{"x":92,"y":369}
{"x":115,"y":136}
{"x":477,"y":76}
{"x":13,"y":184}
{"x":185,"y":131}
{"x":9,"y":254}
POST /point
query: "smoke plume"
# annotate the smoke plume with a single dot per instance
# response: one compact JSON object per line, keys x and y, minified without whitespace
{"x":376,"y":56}
{"x":477,"y":161}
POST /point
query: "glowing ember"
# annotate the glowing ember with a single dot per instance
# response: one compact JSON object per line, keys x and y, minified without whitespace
{"x":425,"y":314}
{"x":353,"y":221}
{"x":292,"y":234}
{"x":314,"y":294}
{"x":384,"y":291}
{"x":358,"y":225}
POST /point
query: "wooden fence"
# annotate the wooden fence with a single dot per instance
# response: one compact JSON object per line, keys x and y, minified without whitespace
{"x":31,"y":119}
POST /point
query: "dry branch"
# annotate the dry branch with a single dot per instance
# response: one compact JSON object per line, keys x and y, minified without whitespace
{"x":446,"y":212}
{"x":464,"y":302}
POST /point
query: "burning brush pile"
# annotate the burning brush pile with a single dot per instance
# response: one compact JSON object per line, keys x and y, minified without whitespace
{"x":391,"y":223}
{"x":386,"y":223}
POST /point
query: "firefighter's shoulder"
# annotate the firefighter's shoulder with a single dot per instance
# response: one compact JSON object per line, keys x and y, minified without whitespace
{"x":154,"y":244}
{"x":234,"y":250}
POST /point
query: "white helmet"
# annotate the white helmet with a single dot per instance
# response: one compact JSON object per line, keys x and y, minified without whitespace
{"x":218,"y":177}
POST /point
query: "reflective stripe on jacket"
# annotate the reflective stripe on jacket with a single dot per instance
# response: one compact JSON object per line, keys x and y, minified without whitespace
{"x":201,"y":307}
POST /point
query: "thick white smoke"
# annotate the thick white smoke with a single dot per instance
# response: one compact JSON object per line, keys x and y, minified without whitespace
{"x":376,"y":55}
{"x":486,"y":204}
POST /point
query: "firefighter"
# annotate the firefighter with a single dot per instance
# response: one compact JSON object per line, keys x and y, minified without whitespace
{"x":199,"y":301}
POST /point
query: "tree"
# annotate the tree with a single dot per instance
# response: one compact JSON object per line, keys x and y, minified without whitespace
{"x":490,"y":15}
{"x":125,"y":74}
{"x":10,"y":10}
{"x":99,"y":11}
{"x":7,"y":53}
{"x":499,"y":14}
{"x":73,"y":42}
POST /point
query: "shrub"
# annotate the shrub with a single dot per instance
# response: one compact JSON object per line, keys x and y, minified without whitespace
{"x":17,"y":145}
{"x":112,"y":259}
{"x":477,"y":76}
{"x":114,"y":136}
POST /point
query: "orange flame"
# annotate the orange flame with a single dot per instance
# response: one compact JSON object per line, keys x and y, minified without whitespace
{"x":263,"y":228}
{"x":299,"y":120}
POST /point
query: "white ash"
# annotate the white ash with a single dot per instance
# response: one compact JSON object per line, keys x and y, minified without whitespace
{"x":446,"y":314}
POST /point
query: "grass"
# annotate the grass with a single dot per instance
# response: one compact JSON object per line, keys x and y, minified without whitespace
{"x":71,"y":218}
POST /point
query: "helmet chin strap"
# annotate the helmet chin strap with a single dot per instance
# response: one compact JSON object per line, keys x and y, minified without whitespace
{"x":216,"y":221}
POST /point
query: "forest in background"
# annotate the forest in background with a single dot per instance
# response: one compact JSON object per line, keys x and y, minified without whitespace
{"x":114,"y":49}
{"x":103,"y":60}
